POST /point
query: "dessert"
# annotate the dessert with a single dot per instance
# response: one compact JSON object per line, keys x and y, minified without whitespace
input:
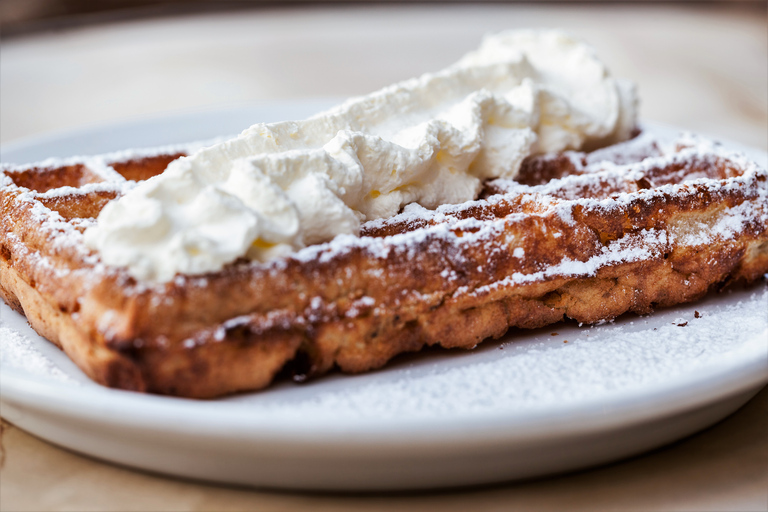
{"x":199,"y":283}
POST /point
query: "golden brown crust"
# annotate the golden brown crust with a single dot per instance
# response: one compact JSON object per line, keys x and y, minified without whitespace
{"x":598,"y":242}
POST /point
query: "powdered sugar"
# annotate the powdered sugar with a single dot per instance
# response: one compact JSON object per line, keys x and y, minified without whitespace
{"x":731,"y":222}
{"x":18,"y":351}
{"x":89,"y":188}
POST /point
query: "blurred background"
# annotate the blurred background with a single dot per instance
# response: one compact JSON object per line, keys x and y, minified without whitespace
{"x":66,"y":64}
{"x":25,"y":15}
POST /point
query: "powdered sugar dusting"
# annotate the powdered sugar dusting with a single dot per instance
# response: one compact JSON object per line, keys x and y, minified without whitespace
{"x":103,"y":186}
{"x":18,"y":351}
{"x":628,"y":249}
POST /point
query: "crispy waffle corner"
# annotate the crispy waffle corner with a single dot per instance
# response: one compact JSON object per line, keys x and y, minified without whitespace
{"x":632,"y":227}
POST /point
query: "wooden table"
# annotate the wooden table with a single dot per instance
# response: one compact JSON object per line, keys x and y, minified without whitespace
{"x":700,"y":67}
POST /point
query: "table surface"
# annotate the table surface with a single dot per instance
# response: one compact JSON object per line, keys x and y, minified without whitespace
{"x":702,"y":67}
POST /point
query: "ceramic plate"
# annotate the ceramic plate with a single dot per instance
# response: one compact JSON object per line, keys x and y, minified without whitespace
{"x":532,"y":403}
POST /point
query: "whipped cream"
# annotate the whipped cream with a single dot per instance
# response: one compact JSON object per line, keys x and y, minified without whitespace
{"x":432,"y":140}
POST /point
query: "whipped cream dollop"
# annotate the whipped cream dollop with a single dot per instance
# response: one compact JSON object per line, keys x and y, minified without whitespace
{"x":279,"y":187}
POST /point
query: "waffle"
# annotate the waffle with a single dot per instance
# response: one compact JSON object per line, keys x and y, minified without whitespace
{"x":632,"y":227}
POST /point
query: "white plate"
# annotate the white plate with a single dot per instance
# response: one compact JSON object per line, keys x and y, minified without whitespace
{"x":526,"y":405}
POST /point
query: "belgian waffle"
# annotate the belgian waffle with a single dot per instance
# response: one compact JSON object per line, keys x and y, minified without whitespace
{"x":632,"y":227}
